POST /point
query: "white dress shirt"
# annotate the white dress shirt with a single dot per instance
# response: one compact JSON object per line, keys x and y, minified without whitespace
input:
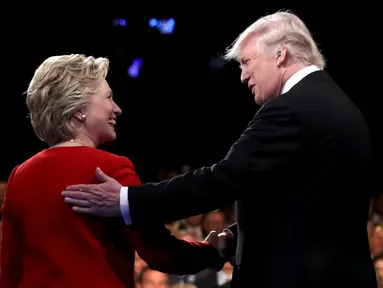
{"x":124,"y":205}
{"x":298,"y":77}
{"x":124,"y":202}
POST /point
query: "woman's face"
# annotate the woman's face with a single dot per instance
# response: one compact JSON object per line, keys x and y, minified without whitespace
{"x":100,"y":116}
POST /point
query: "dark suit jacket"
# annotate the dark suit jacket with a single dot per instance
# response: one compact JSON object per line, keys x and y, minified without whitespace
{"x":301,"y":167}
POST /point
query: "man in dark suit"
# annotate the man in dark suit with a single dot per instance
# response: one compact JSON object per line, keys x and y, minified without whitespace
{"x":307,"y":151}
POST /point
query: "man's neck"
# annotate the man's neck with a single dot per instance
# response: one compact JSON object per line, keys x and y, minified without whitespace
{"x":292,"y":70}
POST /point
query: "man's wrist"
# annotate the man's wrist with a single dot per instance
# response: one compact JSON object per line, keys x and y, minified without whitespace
{"x":124,"y":205}
{"x":230,"y":250}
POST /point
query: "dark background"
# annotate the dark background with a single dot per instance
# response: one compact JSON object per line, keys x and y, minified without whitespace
{"x":180,"y":110}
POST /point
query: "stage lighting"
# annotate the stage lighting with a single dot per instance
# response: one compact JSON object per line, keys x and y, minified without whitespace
{"x":119,"y":22}
{"x":216,"y":62}
{"x":135,"y":69}
{"x":164,"y":26}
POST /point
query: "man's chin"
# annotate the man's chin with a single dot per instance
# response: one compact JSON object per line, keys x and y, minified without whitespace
{"x":259,"y":100}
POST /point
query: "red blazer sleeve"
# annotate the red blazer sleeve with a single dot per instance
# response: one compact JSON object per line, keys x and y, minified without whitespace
{"x":10,"y":242}
{"x":158,"y":247}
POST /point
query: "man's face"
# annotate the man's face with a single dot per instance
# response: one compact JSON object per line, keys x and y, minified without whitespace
{"x":154,"y":279}
{"x":262,"y":73}
{"x":138,"y":264}
{"x":379,"y":269}
{"x":3,"y":187}
{"x":194,"y":220}
{"x":376,"y":241}
{"x":215,"y":221}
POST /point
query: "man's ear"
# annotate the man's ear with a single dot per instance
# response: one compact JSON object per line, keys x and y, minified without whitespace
{"x":281,"y":55}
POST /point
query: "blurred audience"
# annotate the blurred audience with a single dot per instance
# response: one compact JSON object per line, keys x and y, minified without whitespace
{"x":193,"y":226}
{"x":210,"y":278}
{"x":378,"y":261}
{"x":213,"y":221}
{"x":149,"y":278}
{"x":3,"y":186}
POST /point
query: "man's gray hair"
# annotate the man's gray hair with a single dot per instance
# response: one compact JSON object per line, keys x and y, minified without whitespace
{"x":274,"y":30}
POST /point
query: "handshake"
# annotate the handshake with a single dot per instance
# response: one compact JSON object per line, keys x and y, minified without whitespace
{"x":224,"y":242}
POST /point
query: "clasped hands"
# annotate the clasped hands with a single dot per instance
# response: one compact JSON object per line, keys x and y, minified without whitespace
{"x":220,"y":241}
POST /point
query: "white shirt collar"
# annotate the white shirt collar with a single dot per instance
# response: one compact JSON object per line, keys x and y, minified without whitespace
{"x":298,"y":77}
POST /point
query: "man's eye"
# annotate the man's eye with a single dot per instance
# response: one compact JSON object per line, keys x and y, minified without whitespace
{"x":245,"y":62}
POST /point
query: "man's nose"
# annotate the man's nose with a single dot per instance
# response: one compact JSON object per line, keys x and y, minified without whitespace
{"x":244,"y":76}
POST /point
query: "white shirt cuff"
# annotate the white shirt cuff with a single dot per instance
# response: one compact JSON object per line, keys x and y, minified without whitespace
{"x":124,"y":205}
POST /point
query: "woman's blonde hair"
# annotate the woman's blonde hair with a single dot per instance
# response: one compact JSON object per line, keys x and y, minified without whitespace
{"x":60,"y":87}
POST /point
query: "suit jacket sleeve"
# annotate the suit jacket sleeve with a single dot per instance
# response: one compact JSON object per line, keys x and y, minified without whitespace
{"x":270,"y":140}
{"x":158,"y":247}
{"x":10,"y":244}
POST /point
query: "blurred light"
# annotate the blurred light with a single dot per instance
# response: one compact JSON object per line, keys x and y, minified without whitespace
{"x":185,"y":168}
{"x":119,"y":22}
{"x":153,"y":22}
{"x":135,"y":68}
{"x":164,"y":26}
{"x":167,"y":27}
{"x":216,"y":62}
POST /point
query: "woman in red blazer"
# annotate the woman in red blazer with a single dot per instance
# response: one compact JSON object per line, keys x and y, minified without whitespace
{"x":45,"y":244}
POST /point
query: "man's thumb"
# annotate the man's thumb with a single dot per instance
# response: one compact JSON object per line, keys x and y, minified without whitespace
{"x":211,"y":236}
{"x":102,"y":176}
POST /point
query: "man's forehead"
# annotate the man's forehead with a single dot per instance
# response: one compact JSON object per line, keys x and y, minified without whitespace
{"x":248,"y":48}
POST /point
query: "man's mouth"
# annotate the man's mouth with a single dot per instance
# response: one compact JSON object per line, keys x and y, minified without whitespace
{"x":252,"y":88}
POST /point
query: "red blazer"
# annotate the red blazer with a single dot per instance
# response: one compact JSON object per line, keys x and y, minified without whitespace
{"x":45,"y":244}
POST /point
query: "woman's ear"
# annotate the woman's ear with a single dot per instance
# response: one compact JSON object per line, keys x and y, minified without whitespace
{"x":80,"y":116}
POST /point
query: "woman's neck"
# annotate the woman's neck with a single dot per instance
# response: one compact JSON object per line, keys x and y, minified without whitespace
{"x":83,"y":141}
